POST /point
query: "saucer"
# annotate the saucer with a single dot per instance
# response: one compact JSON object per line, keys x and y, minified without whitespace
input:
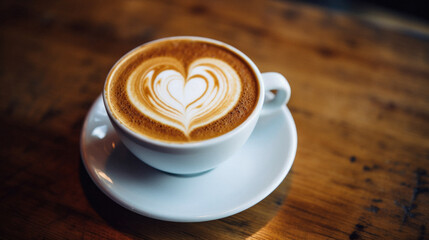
{"x":237,"y":184}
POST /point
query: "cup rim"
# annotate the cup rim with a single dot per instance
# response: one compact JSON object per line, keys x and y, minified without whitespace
{"x":188,"y":145}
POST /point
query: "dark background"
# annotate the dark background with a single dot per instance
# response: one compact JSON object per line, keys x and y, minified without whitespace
{"x":411,"y":9}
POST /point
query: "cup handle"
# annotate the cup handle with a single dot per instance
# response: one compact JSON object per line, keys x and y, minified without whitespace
{"x":273,"y":102}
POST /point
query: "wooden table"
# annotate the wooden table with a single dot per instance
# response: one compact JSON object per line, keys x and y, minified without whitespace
{"x":360,"y":99}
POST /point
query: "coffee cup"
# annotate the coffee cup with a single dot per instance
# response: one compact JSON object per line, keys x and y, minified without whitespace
{"x":184,"y":105}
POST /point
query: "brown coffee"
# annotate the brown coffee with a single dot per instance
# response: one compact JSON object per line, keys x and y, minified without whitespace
{"x":182,"y":90}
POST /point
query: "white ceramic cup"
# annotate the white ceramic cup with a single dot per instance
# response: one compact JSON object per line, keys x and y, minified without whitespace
{"x":201,"y":156}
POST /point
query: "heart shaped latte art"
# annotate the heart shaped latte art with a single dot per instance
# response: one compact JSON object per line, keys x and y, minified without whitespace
{"x":162,"y":89}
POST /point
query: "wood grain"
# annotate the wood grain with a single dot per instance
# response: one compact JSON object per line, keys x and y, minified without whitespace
{"x":359,"y":98}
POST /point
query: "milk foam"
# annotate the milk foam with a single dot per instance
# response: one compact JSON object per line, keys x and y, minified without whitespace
{"x":185,"y":98}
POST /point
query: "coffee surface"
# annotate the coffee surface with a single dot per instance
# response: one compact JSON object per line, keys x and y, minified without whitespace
{"x":181,"y":90}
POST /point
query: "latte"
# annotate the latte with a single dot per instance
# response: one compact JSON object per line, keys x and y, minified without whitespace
{"x":181,"y":90}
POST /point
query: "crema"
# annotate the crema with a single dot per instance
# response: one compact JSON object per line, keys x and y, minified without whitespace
{"x":181,"y":90}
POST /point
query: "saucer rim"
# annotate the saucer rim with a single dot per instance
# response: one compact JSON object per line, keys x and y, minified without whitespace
{"x":281,"y":175}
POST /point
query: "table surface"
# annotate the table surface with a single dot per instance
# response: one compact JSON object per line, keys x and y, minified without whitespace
{"x":359,"y":99}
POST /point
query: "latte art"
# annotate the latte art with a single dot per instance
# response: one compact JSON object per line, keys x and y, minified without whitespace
{"x":181,"y":90}
{"x":165,"y":91}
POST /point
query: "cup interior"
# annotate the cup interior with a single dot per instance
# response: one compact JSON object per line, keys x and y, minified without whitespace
{"x":163,"y":144}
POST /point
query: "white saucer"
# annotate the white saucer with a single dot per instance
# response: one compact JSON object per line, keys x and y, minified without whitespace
{"x":237,"y":184}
